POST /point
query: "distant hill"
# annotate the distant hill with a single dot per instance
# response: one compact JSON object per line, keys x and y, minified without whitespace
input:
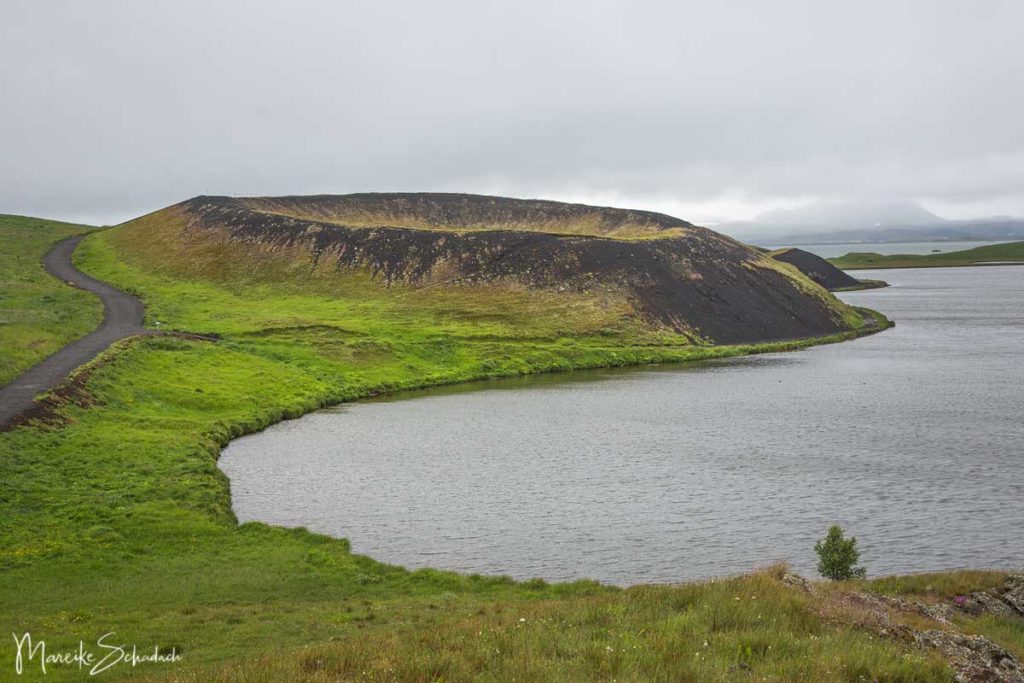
{"x":849,"y":221}
{"x":668,"y":272}
{"x":849,"y":215}
{"x":982,"y":229}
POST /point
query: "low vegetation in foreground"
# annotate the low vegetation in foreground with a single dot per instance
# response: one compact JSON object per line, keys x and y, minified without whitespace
{"x":1009,"y":252}
{"x":115,"y":518}
{"x":38,"y":314}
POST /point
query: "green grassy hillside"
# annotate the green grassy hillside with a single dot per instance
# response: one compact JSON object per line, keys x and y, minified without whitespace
{"x":200,"y":281}
{"x":228,"y":287}
{"x":992,"y":253}
{"x":457,"y":248}
{"x":38,"y":314}
{"x":115,"y":517}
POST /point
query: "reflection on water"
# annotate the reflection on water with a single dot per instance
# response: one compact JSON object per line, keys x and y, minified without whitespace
{"x":912,"y":439}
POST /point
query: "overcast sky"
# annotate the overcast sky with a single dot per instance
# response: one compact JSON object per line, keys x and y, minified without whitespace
{"x":707,"y":110}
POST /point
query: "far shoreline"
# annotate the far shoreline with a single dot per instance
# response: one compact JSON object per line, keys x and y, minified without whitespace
{"x":1003,"y":254}
{"x":881,"y":266}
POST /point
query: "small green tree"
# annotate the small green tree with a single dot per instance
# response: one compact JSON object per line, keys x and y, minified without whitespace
{"x":837,"y":556}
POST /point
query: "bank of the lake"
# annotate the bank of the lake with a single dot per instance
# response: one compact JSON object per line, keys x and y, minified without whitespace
{"x":910,"y":439}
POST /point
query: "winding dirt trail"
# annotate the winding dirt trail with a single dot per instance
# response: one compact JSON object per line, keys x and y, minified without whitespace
{"x":122,"y":317}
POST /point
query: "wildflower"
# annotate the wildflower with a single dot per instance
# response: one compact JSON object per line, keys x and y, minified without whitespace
{"x":960,"y":599}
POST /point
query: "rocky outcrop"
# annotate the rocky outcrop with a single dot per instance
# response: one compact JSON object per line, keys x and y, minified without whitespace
{"x":1006,"y":600}
{"x":973,"y":658}
{"x":1012,"y":593}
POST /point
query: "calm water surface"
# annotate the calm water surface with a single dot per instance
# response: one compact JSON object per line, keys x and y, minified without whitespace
{"x":912,"y":439}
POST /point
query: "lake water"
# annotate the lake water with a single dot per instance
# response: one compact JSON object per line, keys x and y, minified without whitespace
{"x":912,"y":439}
{"x":833,"y":250}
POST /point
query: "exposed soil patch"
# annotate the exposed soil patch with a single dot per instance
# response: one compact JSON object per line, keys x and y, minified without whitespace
{"x":48,"y":409}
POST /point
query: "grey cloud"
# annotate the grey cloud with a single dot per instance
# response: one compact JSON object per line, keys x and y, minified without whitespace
{"x":111,"y":109}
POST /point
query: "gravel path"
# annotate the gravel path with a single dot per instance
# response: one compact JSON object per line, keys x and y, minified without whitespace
{"x":122,"y":317}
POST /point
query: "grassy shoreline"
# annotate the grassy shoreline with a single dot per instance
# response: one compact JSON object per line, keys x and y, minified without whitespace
{"x":118,"y":518}
{"x":864,"y":284}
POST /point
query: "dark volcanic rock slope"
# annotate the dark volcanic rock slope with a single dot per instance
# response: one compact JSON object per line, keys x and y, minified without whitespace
{"x":816,"y":268}
{"x":461,"y":212}
{"x":686,"y":277}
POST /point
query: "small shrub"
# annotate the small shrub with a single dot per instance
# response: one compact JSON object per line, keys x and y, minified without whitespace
{"x":837,"y":556}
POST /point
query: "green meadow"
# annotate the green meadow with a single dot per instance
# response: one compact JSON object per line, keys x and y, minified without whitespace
{"x":115,"y":518}
{"x":38,"y":314}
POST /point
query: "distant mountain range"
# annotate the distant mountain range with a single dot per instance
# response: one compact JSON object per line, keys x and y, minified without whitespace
{"x":850,"y":221}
